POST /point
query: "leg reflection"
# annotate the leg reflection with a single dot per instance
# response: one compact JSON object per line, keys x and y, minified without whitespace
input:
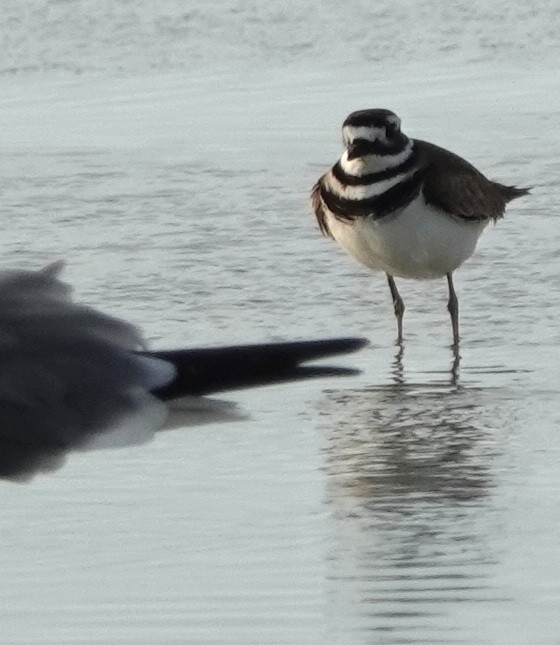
{"x":397,"y":366}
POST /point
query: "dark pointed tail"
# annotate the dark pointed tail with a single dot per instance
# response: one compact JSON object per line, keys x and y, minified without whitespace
{"x":512,"y":192}
{"x":205,"y":371}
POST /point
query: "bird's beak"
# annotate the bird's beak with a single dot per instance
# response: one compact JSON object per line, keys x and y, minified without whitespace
{"x":355,"y":149}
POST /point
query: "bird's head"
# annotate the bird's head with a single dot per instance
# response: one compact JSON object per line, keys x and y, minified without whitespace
{"x":373,"y":132}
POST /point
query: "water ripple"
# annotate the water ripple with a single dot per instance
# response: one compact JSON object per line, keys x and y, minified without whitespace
{"x":410,"y":473}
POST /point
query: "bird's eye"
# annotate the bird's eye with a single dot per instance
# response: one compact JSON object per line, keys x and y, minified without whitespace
{"x":391,"y":129}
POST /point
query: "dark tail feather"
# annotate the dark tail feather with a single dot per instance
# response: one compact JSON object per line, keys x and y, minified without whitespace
{"x":205,"y":371}
{"x":512,"y":192}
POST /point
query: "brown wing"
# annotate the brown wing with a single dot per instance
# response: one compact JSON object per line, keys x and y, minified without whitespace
{"x":318,"y":208}
{"x":457,"y":187}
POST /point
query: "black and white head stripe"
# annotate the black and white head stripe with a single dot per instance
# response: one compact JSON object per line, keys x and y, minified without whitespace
{"x":373,"y":132}
{"x":372,"y":118}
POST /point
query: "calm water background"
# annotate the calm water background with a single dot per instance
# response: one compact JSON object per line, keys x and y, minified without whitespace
{"x":166,"y":150}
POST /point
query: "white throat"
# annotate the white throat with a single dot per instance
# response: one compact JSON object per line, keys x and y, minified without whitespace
{"x":374,"y":163}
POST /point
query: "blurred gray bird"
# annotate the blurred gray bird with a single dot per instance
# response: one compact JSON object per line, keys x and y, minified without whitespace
{"x":73,"y":378}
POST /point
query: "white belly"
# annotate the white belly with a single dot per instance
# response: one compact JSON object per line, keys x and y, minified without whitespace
{"x":417,"y":242}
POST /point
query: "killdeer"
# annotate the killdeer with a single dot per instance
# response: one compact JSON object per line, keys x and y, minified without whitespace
{"x":405,"y":206}
{"x":72,"y":377}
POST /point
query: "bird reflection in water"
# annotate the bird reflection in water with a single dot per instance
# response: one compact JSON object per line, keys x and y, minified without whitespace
{"x":410,"y":469}
{"x":397,"y":366}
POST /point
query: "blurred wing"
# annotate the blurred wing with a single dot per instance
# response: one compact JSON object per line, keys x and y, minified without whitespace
{"x":220,"y":369}
{"x":68,"y":376}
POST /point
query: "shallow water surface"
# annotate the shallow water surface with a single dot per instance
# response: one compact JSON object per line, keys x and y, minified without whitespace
{"x":415,"y":503}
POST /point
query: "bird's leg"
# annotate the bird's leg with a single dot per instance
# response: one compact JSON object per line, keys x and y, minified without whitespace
{"x":398,"y":305}
{"x":455,"y":365}
{"x":453,"y":307}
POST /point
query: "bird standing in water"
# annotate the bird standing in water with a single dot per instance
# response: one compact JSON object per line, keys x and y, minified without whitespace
{"x":405,"y":206}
